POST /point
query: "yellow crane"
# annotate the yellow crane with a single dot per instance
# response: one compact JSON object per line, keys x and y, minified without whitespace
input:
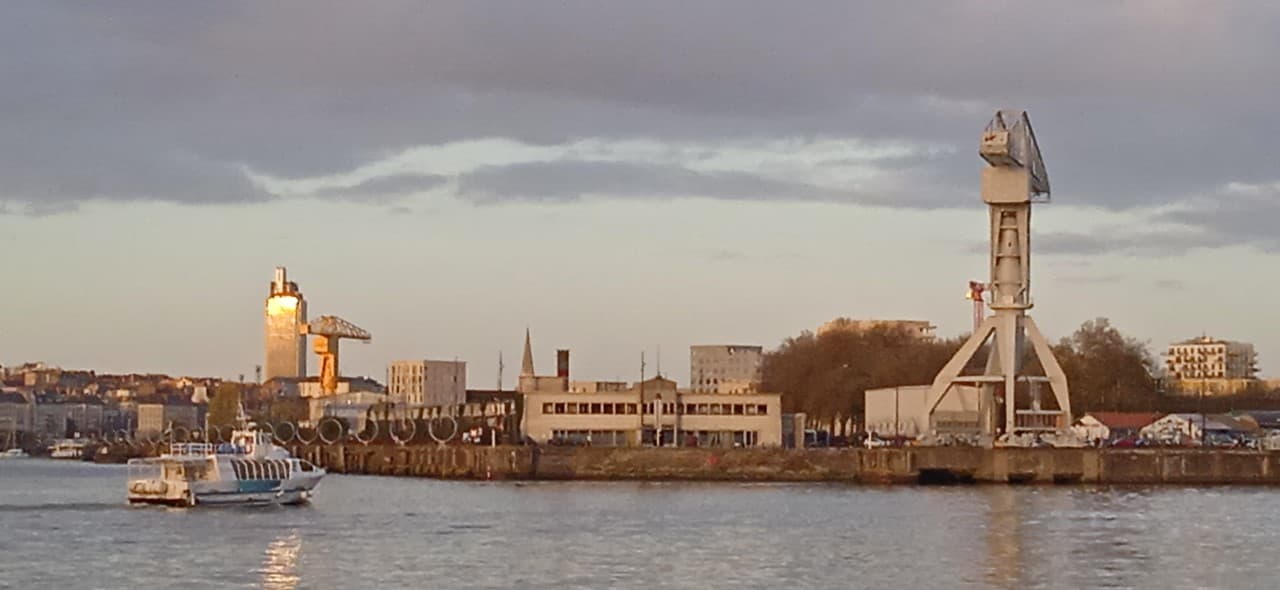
{"x":330,"y":329}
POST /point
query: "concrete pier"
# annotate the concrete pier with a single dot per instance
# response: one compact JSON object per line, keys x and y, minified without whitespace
{"x":883,"y":466}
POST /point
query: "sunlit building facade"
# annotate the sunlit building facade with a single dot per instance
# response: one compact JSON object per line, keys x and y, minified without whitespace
{"x":286,"y":313}
{"x":1211,"y":366}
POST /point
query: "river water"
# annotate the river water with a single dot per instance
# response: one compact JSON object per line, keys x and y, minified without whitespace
{"x":66,"y":525}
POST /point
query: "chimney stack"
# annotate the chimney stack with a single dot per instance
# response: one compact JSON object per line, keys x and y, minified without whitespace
{"x":562,"y":364}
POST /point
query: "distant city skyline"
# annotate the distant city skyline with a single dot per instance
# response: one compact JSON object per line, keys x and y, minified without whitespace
{"x":617,"y":177}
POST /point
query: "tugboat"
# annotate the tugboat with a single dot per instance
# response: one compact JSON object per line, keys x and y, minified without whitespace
{"x":250,"y":470}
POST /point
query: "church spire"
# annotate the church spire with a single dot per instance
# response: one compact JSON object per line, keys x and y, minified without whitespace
{"x":526,"y":367}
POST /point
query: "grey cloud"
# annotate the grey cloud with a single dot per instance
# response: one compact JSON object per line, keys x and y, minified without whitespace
{"x":1135,"y":102}
{"x":381,"y":188}
{"x":1160,"y":243}
{"x":571,"y":180}
{"x":1169,"y":284}
{"x":1234,"y":219}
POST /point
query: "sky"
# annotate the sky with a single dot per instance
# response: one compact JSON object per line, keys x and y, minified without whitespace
{"x":617,"y":177}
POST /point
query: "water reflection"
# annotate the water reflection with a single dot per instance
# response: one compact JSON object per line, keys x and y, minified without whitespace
{"x":280,"y":564}
{"x":1004,"y":537}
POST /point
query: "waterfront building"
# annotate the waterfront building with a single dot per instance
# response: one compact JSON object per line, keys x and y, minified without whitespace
{"x":653,"y":412}
{"x":427,"y":383}
{"x":920,"y":328}
{"x":1211,"y":366}
{"x":16,"y":415}
{"x":725,"y":368}
{"x":286,"y":314}
{"x":349,"y":406}
{"x":50,"y":417}
{"x":156,"y":418}
{"x":903,"y":412}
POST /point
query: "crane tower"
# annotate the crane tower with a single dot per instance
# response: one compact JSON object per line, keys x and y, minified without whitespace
{"x":1013,"y":180}
{"x":330,"y":330}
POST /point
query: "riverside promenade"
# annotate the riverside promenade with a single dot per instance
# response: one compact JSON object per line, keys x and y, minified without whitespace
{"x":911,"y":465}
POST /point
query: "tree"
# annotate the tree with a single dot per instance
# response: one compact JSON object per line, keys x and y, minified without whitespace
{"x":826,"y":376}
{"x":1107,"y":370}
{"x":225,"y":405}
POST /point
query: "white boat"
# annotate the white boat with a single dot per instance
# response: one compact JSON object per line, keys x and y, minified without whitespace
{"x":249,"y":470}
{"x":14,"y":454}
{"x":67,"y":449}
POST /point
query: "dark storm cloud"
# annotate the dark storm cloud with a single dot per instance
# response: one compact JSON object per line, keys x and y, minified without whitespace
{"x":1135,"y":103}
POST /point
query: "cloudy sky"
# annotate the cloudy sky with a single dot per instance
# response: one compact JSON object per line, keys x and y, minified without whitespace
{"x":617,"y":176}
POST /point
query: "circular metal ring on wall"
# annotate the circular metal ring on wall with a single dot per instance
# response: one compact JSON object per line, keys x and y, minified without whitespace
{"x":307,"y":440}
{"x":402,"y":440}
{"x":214,"y":434}
{"x":431,"y":429}
{"x":359,"y":436}
{"x":320,"y":430}
{"x":285,"y":427}
{"x":178,"y":434}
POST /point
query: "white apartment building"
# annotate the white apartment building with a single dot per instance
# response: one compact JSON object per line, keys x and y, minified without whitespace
{"x":725,"y":368}
{"x":1211,"y":366}
{"x":427,"y":383}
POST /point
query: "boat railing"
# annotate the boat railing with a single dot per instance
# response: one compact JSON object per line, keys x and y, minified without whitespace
{"x":191,"y":449}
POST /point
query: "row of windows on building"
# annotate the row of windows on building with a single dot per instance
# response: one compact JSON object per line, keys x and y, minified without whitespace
{"x":693,"y":438}
{"x":608,"y":408}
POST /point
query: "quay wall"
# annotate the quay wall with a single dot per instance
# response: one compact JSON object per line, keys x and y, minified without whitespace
{"x":886,"y":466}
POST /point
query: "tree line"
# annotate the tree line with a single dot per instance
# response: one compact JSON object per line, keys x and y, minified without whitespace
{"x":826,"y":376}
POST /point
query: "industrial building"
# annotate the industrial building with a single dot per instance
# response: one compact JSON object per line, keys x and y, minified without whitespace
{"x":725,"y":368}
{"x":904,"y":412}
{"x":919,"y":328}
{"x":286,"y":314}
{"x":427,"y":383}
{"x":1211,"y":366}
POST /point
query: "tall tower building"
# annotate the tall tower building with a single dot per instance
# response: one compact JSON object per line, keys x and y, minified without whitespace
{"x":286,"y":313}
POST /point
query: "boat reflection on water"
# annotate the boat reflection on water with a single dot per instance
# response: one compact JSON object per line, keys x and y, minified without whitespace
{"x":280,"y":563}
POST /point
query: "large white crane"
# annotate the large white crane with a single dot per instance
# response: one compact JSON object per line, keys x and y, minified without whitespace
{"x":1014,"y":178}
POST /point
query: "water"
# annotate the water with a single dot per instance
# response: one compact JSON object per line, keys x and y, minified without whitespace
{"x":66,"y":525}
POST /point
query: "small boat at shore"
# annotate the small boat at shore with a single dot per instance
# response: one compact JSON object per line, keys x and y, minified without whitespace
{"x":67,"y":449}
{"x":14,"y":454}
{"x":250,"y":470}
